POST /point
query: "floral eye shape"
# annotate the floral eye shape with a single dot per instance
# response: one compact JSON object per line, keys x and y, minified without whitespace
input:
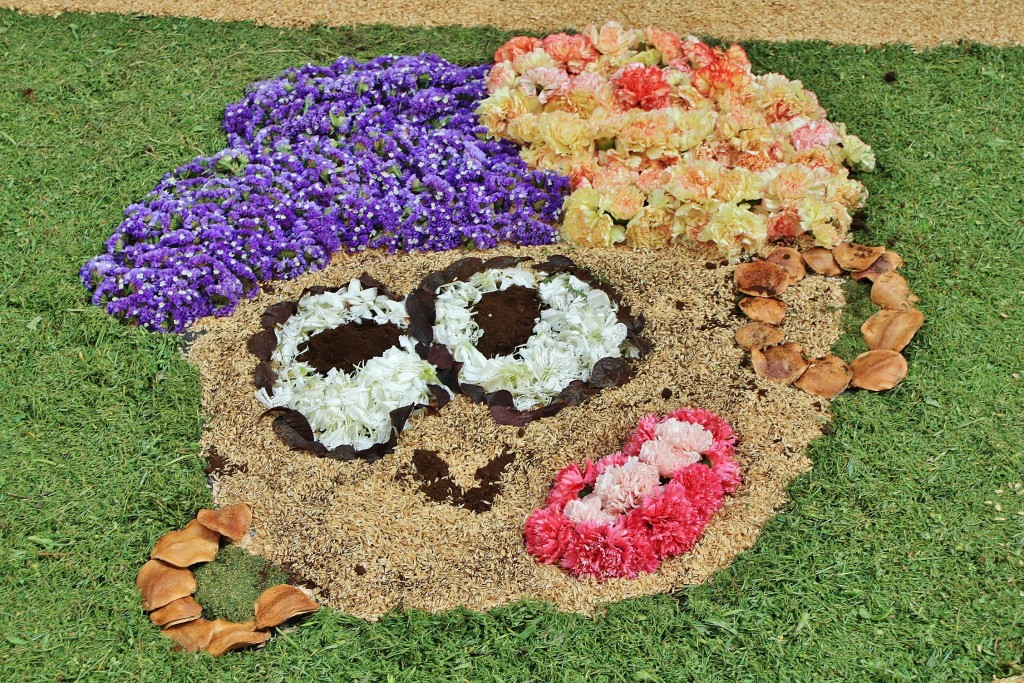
{"x":526,"y":341}
{"x":343,"y":369}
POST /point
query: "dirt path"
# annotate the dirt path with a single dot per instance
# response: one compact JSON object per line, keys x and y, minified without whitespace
{"x":921,"y":22}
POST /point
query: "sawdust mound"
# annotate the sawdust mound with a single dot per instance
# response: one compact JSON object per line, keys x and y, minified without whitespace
{"x":370,"y":537}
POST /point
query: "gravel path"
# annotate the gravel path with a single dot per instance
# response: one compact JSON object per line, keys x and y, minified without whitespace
{"x":921,"y":22}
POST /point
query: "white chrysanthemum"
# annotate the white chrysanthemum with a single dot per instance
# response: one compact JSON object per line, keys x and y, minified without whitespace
{"x":353,"y":408}
{"x":578,"y":327}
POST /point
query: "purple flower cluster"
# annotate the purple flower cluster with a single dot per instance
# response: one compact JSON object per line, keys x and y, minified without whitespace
{"x":384,"y":154}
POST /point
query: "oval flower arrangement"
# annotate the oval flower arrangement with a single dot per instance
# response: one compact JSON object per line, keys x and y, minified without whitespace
{"x":629,"y":511}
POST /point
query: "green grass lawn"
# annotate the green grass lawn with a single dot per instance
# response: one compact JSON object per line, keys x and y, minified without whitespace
{"x":893,"y":562}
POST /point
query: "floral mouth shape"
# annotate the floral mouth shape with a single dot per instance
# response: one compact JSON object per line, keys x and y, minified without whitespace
{"x":629,"y":511}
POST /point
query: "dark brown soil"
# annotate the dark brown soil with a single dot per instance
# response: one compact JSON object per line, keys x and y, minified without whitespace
{"x":438,"y":485}
{"x":349,"y":345}
{"x":507,"y":319}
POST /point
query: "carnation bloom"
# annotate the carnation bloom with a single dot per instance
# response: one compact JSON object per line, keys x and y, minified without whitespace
{"x":666,"y":458}
{"x":588,"y":510}
{"x":784,"y":224}
{"x":573,"y":52}
{"x":650,"y":228}
{"x":515,"y":48}
{"x":585,"y":224}
{"x":814,"y":134}
{"x":611,"y":38}
{"x":684,"y":436}
{"x":669,"y":521}
{"x":544,"y":82}
{"x":547,"y":534}
{"x":622,"y":202}
{"x":501,"y":75}
{"x":623,"y":487}
{"x":665,"y":42}
{"x":644,"y":87}
{"x":735,"y":229}
{"x":569,"y":482}
{"x":605,"y":552}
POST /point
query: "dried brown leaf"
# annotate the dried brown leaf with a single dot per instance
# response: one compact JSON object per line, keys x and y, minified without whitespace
{"x":232,"y":521}
{"x":891,"y":330}
{"x":228,"y":636}
{"x":278,"y":604}
{"x":888,"y":261}
{"x":760,"y":278}
{"x":177,"y":612}
{"x":764,"y":309}
{"x":790,"y":259}
{"x":195,"y":543}
{"x":162,"y":584}
{"x":851,"y":256}
{"x":780,"y":363}
{"x":891,"y":292}
{"x":191,"y":636}
{"x":878,"y":370}
{"x":827,"y":377}
{"x":758,"y":335}
{"x":822,"y":261}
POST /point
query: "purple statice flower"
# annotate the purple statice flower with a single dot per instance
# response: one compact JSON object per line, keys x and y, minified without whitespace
{"x":350,"y":156}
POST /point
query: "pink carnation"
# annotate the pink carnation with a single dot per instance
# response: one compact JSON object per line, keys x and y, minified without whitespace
{"x":784,"y":224}
{"x":547,"y":534}
{"x":573,"y":52}
{"x":814,"y":134}
{"x":609,"y":461}
{"x":703,"y":491}
{"x":605,"y":552}
{"x":569,"y":482}
{"x":644,"y":431}
{"x":516,"y":47}
{"x":644,"y":87}
{"x":698,"y":53}
{"x":669,"y":522}
{"x":544,"y":82}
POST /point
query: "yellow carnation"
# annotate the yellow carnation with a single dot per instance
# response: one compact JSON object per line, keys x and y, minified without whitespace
{"x":734,"y":229}
{"x":503,"y":107}
{"x":566,"y":133}
{"x":585,"y":224}
{"x":622,"y":202}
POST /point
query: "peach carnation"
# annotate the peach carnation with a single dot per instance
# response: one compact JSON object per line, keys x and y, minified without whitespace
{"x":544,"y":83}
{"x":515,"y":48}
{"x":573,"y":52}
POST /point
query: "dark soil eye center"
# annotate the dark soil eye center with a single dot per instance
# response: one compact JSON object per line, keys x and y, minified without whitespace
{"x":348,"y":345}
{"x":507,"y":319}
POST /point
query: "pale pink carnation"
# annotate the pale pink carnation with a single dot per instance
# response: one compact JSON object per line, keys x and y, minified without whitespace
{"x":501,"y":75}
{"x":684,"y":436}
{"x":588,"y":510}
{"x":666,"y":458}
{"x":544,"y":82}
{"x":814,"y":134}
{"x":624,"y":487}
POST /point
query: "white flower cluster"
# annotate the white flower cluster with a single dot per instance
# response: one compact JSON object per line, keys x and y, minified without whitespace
{"x":354,"y":408}
{"x":577,"y":328}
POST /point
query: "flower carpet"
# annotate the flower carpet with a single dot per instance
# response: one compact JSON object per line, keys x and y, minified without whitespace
{"x":467,"y":336}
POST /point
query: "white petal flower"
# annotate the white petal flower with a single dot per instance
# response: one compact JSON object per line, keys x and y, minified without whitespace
{"x":354,"y":408}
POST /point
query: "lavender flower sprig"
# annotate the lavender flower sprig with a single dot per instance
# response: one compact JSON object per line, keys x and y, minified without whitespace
{"x":349,"y":156}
